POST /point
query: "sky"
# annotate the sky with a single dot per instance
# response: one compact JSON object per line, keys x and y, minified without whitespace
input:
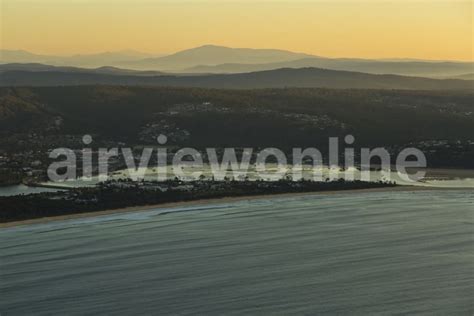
{"x":425,"y":29}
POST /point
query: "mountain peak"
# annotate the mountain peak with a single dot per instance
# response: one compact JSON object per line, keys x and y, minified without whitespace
{"x":211,"y":46}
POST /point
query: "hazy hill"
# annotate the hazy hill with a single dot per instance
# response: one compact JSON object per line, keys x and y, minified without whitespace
{"x":22,"y":56}
{"x":464,"y":76}
{"x":217,"y":59}
{"x":87,"y":60}
{"x":411,"y":68}
{"x":214,"y":55}
{"x":35,"y":67}
{"x":280,"y":78}
{"x":204,"y":55}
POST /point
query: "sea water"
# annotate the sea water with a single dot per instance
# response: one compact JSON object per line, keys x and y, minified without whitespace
{"x":345,"y":254}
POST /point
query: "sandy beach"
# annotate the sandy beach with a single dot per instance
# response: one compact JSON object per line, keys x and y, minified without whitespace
{"x":208,"y":201}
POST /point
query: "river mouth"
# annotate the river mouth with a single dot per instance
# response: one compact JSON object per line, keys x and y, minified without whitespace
{"x":435,"y":177}
{"x":458,"y":178}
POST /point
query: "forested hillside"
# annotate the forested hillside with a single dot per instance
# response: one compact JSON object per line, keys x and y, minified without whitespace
{"x":279,"y":78}
{"x":268,"y":117}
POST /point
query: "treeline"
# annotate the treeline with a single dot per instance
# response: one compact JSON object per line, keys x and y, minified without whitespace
{"x":9,"y":177}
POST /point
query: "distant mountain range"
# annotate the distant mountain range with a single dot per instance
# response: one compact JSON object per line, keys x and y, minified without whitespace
{"x":88,"y":60}
{"x":105,"y":70}
{"x":217,"y":59}
{"x":280,"y":78}
{"x":204,"y":55}
{"x":407,"y":68}
{"x":212,"y":55}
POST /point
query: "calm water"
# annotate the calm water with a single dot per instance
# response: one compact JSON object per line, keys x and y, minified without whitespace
{"x":23,"y":189}
{"x":359,"y":254}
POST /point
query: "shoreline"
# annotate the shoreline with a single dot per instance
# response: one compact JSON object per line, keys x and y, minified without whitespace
{"x":230,"y":199}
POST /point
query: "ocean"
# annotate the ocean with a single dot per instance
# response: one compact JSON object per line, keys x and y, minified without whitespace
{"x":367,"y":253}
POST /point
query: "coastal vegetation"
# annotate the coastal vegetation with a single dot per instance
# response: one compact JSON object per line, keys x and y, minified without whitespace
{"x":122,"y":194}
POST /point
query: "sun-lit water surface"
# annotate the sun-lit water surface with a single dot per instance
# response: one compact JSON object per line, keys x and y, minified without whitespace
{"x":363,"y":253}
{"x":20,"y":189}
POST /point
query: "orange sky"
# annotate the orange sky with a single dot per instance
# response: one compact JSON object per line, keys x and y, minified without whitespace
{"x":428,"y":29}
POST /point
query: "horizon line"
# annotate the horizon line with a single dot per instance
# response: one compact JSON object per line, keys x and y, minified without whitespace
{"x":164,"y":54}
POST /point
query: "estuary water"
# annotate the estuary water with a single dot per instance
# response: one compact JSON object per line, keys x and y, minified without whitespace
{"x":23,"y":189}
{"x":337,"y":254}
{"x":455,"y":178}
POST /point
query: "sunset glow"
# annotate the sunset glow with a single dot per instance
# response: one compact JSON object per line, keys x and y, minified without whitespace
{"x":366,"y":29}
